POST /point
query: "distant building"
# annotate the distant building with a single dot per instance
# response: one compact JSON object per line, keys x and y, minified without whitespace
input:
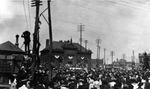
{"x":66,"y":52}
{"x":116,"y":65}
{"x":122,"y":64}
{"x":96,"y":62}
{"x":141,"y":60}
{"x":129,"y":65}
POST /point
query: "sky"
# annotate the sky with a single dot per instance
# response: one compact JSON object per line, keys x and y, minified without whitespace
{"x":122,"y":25}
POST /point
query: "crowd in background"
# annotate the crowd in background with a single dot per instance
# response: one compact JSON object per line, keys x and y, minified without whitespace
{"x":102,"y":79}
{"x":81,"y":78}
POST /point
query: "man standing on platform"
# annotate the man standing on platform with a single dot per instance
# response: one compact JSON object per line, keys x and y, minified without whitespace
{"x":26,"y":36}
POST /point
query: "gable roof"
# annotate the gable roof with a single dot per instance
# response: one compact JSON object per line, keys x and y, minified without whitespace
{"x":59,"y":46}
{"x":10,"y":48}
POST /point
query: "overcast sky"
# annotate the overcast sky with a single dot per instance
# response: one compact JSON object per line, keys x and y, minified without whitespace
{"x":122,"y":25}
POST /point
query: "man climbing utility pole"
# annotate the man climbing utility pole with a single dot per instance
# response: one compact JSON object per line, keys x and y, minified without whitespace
{"x":51,"y":40}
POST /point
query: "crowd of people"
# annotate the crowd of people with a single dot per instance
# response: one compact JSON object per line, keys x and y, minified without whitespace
{"x":101,"y":79}
{"x":81,"y":78}
{"x":78,"y":77}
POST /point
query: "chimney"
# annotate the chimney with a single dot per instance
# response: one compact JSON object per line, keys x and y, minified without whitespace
{"x":47,"y":42}
{"x":17,"y":38}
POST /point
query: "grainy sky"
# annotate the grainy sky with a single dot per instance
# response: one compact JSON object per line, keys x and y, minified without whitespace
{"x":122,"y":25}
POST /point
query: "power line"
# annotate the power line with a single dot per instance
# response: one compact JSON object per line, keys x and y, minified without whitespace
{"x":140,"y":2}
{"x":29,"y":13}
{"x":99,"y":12}
{"x":117,"y":3}
{"x":25,"y":14}
{"x":113,"y":3}
{"x":121,"y":5}
{"x":135,"y":4}
{"x":84,"y":7}
{"x":125,"y":5}
{"x":67,"y":21}
{"x":76,"y":23}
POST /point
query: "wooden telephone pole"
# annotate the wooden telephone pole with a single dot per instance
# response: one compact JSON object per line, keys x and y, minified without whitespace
{"x":133,"y":60}
{"x":86,"y":41}
{"x":98,"y":41}
{"x":112,"y":55}
{"x":36,"y":43}
{"x":104,"y":60}
{"x":81,"y":29}
{"x":51,"y":39}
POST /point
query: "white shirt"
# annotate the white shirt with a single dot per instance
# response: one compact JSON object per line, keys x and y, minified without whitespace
{"x":64,"y":88}
{"x":135,"y":85}
{"x":23,"y":87}
{"x":112,"y":84}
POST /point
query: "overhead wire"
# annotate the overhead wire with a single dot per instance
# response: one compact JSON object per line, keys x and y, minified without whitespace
{"x":147,"y":1}
{"x":100,"y":12}
{"x":29,"y":14}
{"x":134,"y":3}
{"x":25,"y":14}
{"x":141,"y":26}
{"x":66,"y":21}
{"x":76,"y":23}
{"x":83,"y":7}
{"x":117,"y":3}
{"x":126,"y":5}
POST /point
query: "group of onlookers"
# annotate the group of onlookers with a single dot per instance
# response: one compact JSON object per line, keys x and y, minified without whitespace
{"x":102,"y":79}
{"x":81,"y":78}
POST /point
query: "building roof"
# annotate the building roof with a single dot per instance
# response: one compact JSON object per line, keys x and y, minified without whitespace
{"x":9,"y":48}
{"x":59,"y":45}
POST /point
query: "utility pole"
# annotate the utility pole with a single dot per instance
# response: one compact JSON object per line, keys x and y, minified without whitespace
{"x":36,"y":43}
{"x":81,"y":29}
{"x":133,"y":62}
{"x":124,"y":56}
{"x":112,"y":54}
{"x":104,"y":61}
{"x":98,"y":51}
{"x":51,"y":40}
{"x":133,"y":56}
{"x":107,"y":61}
{"x":86,"y":41}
